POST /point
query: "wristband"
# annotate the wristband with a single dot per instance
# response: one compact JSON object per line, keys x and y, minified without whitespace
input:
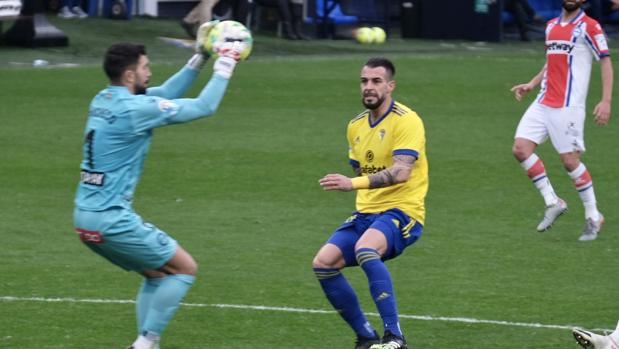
{"x":362,"y":182}
{"x":196,"y":62}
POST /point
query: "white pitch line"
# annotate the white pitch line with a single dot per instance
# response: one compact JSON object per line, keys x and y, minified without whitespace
{"x":297,"y":310}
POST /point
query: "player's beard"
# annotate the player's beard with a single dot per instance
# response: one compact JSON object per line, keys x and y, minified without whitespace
{"x":571,"y":6}
{"x":140,"y":89}
{"x":375,"y":105}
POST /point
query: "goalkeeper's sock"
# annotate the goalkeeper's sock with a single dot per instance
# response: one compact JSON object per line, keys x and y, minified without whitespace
{"x":537,"y":172}
{"x":224,"y":66}
{"x":381,"y":288}
{"x":166,"y":301}
{"x":144,"y":298}
{"x":343,"y":298}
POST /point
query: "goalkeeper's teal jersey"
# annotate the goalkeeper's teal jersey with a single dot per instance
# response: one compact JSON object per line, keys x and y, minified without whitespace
{"x":119,"y":130}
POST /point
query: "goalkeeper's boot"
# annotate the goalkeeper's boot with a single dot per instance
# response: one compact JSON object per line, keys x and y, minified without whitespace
{"x":391,"y":341}
{"x":592,"y":229}
{"x":141,"y":343}
{"x":590,"y":340}
{"x":551,"y":214}
{"x":366,"y":343}
{"x":155,"y":347}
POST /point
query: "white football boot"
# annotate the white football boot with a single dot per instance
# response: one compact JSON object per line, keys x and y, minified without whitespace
{"x":65,"y":13}
{"x":592,"y":229}
{"x":551,"y":214}
{"x":78,"y":12}
{"x":590,"y":340}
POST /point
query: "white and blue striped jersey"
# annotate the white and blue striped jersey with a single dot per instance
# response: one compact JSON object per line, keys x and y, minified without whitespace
{"x":119,"y":130}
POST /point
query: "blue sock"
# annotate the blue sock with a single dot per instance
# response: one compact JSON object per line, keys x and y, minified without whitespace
{"x":165,"y":302}
{"x":344,"y":300}
{"x":381,"y":288}
{"x":144,"y":298}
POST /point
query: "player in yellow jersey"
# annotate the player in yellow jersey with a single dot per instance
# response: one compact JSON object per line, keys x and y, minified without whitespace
{"x":387,"y":153}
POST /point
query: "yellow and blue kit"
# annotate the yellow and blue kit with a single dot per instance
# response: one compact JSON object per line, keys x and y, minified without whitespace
{"x":371,"y":149}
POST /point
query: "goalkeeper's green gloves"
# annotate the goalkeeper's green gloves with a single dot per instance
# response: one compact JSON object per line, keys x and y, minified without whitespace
{"x":201,"y":54}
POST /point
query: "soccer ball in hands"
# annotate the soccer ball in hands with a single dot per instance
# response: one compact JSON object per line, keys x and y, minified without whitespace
{"x":225,"y":36}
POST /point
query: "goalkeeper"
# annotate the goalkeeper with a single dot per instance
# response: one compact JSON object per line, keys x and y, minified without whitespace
{"x":118,"y":133}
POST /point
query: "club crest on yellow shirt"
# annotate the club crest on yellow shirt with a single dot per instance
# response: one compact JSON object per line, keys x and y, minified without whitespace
{"x":369,"y":156}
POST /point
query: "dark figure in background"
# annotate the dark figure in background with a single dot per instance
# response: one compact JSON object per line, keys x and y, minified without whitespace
{"x":594,"y":9}
{"x":599,"y":9}
{"x":236,"y":10}
{"x":207,"y":10}
{"x":524,"y":14}
{"x":291,"y":16}
{"x":199,"y":14}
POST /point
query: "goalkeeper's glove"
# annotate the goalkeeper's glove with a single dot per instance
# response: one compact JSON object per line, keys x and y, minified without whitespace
{"x":201,"y":56}
{"x":229,"y":54}
{"x":202,"y":36}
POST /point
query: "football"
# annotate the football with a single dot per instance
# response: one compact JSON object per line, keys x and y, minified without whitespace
{"x":228,"y":31}
{"x":364,"y":35}
{"x":379,"y":35}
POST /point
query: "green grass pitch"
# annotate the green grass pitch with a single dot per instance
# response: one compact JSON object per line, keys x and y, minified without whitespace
{"x":240,"y":192}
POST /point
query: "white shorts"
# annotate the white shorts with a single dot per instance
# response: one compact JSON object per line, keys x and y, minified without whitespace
{"x":564,"y":126}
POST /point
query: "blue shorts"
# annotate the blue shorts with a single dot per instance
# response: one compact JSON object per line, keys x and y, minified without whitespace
{"x":120,"y":236}
{"x":399,"y":235}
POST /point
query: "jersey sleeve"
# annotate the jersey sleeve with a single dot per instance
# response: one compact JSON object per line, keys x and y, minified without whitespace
{"x":150,"y":112}
{"x":596,"y":40}
{"x":176,"y":86}
{"x":410,"y":137}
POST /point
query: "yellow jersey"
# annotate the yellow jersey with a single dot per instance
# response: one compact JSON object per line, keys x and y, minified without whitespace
{"x":372,"y":147}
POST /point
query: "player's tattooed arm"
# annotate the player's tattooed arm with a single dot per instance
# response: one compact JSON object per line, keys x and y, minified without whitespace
{"x":399,"y":172}
{"x":357,"y":171}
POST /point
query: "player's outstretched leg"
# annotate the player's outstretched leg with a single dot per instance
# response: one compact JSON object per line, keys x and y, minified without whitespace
{"x":381,"y":288}
{"x":536,"y":171}
{"x":344,"y":299}
{"x":166,"y":301}
{"x":160,"y":297}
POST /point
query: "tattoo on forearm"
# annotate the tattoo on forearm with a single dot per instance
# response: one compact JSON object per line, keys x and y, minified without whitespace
{"x":387,"y":177}
{"x":382,"y":179}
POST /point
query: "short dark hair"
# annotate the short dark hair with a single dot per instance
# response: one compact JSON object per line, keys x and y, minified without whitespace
{"x":376,"y":62}
{"x":120,"y":57}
